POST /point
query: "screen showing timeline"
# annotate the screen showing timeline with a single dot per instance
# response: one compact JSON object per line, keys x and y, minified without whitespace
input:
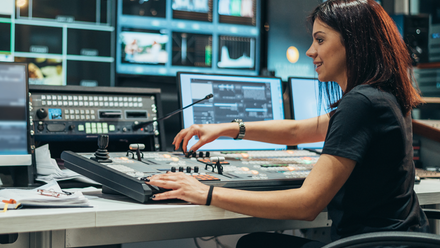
{"x":162,"y":37}
{"x":235,"y":97}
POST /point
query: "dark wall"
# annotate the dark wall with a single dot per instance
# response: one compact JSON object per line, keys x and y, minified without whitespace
{"x":287,"y":21}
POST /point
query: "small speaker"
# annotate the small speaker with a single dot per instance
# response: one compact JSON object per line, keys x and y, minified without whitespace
{"x":415,"y":32}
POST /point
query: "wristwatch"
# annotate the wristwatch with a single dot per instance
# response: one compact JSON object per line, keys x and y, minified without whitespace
{"x":242,"y":131}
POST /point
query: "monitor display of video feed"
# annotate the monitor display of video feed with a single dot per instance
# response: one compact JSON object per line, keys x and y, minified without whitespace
{"x":192,"y":50}
{"x":194,"y":38}
{"x":44,"y":71}
{"x":141,"y":46}
{"x":153,"y":8}
{"x":236,"y":52}
{"x":237,"y":11}
{"x":67,"y":11}
{"x":200,"y":10}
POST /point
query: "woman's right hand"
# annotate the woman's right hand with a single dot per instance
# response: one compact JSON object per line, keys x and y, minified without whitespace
{"x":205,"y":132}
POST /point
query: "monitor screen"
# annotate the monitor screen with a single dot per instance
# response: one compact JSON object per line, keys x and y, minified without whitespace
{"x":249,"y":98}
{"x":203,"y":36}
{"x":61,"y":41}
{"x":14,"y":142}
{"x":305,"y":99}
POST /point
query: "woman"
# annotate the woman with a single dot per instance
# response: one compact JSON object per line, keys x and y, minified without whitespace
{"x":365,"y":175}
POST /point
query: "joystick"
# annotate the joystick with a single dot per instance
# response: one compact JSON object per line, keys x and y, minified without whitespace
{"x":101,"y":155}
{"x":137,"y":148}
{"x":218,"y":165}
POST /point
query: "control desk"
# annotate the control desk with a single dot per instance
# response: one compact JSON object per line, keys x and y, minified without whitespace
{"x":125,"y":173}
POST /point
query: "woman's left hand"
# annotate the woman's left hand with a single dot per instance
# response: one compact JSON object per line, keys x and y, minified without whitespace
{"x":183,"y":187}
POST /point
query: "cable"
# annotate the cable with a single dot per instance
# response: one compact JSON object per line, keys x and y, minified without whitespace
{"x":196,"y":243}
{"x":207,"y":239}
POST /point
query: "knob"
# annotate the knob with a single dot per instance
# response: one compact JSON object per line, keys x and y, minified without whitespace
{"x":196,"y":169}
{"x":207,"y":154}
{"x":194,"y":154}
{"x":72,"y":127}
{"x":188,"y":169}
{"x":173,"y":169}
{"x":180,"y":169}
{"x":40,"y":127}
{"x":201,"y":155}
{"x":41,"y":113}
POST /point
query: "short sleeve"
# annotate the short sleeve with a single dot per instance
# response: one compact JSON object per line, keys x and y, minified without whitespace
{"x":351,"y":128}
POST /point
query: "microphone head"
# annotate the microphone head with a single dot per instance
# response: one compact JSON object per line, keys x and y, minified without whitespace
{"x":209,"y":96}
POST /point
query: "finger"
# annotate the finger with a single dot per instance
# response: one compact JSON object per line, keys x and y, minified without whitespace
{"x":197,"y":145}
{"x":177,"y":140}
{"x":166,"y":176}
{"x":186,"y":139}
{"x":173,"y":194}
{"x":165,"y":184}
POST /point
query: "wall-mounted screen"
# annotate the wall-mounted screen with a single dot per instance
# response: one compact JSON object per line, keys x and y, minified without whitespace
{"x":164,"y":37}
{"x":249,"y":98}
{"x":50,"y":35}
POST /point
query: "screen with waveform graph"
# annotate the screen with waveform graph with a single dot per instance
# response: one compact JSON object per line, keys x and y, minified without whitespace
{"x":236,"y":52}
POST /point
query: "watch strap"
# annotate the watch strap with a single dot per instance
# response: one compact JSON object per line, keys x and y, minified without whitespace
{"x":242,"y":130}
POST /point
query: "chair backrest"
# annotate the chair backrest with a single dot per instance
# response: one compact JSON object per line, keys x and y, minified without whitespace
{"x":388,"y":239}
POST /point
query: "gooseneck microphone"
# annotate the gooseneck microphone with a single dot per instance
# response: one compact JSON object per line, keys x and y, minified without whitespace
{"x":144,"y":124}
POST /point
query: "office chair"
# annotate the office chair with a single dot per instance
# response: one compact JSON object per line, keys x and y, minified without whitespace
{"x":388,"y":239}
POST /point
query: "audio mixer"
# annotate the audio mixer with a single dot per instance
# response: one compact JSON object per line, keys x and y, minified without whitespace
{"x":125,"y":173}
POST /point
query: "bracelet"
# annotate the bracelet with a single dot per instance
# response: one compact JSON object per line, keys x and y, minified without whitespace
{"x":208,"y":200}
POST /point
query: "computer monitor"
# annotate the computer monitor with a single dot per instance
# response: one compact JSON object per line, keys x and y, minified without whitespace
{"x":249,"y":98}
{"x":14,"y":127}
{"x":304,"y":95}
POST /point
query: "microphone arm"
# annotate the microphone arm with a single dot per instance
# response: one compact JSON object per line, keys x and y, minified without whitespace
{"x":144,"y":124}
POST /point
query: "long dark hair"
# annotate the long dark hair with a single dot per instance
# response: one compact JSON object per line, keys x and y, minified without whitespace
{"x":375,"y":51}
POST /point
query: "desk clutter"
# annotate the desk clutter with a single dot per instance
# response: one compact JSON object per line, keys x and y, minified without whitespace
{"x":46,"y":196}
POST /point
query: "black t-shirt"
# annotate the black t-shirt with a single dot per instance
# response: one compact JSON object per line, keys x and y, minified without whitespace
{"x":370,"y":128}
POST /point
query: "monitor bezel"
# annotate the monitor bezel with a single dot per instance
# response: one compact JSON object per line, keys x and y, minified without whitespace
{"x":13,"y":160}
{"x":179,"y":90}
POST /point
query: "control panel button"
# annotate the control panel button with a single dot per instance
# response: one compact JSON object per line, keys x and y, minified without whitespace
{"x":111,"y":128}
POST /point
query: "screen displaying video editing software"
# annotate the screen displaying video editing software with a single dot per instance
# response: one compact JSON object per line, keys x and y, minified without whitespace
{"x":14,"y":143}
{"x":235,"y":97}
{"x":163,"y":37}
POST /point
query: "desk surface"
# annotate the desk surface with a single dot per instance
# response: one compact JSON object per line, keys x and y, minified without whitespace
{"x":118,"y":219}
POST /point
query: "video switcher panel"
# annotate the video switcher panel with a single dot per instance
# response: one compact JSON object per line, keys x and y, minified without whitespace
{"x":250,"y":170}
{"x":73,"y":113}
